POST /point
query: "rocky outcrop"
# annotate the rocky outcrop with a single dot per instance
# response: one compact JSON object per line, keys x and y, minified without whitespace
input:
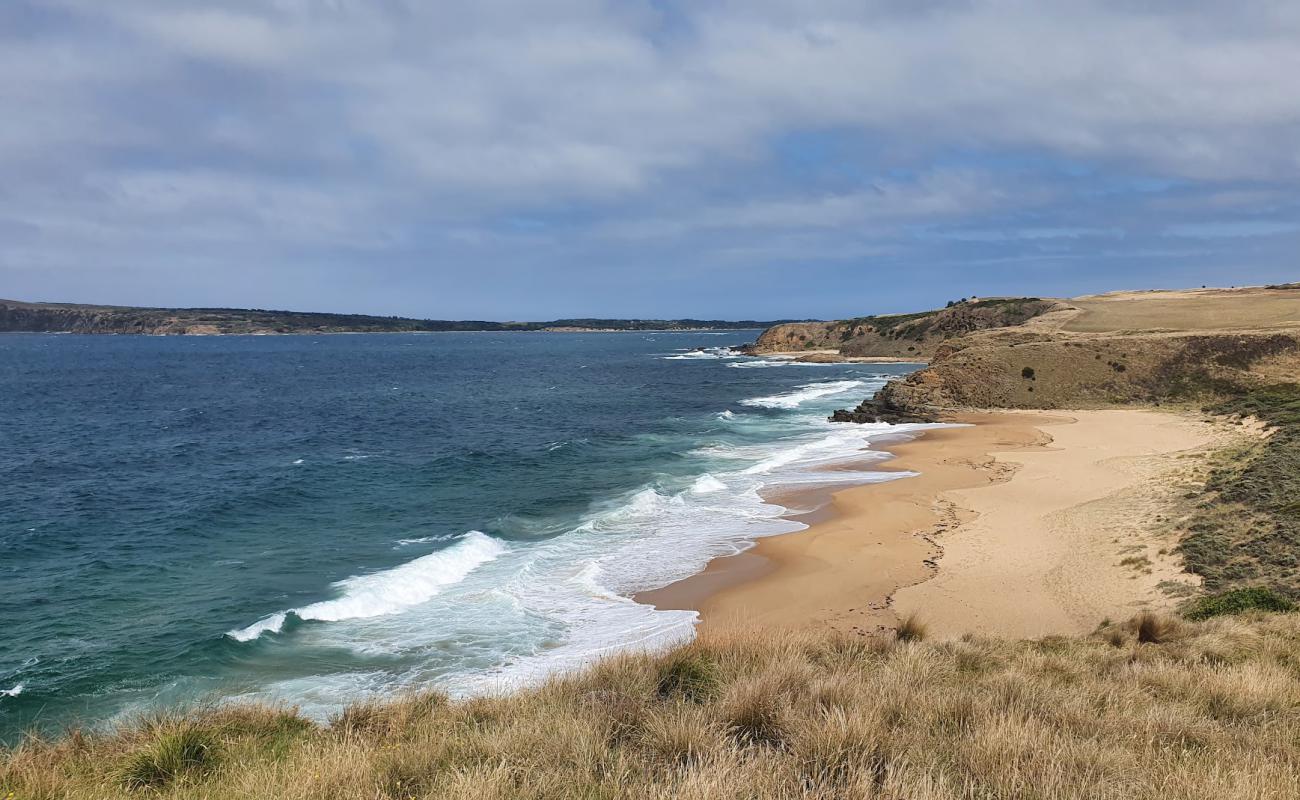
{"x":793,"y":337}
{"x":881,"y":408}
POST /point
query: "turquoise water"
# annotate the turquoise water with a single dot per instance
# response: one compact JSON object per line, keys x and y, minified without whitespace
{"x":313,"y":519}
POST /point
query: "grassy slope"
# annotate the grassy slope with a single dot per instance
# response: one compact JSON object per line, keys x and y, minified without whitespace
{"x":1215,"y":309}
{"x":1246,"y":528}
{"x":1209,"y":710}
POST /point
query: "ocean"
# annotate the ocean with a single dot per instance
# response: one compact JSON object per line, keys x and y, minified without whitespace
{"x":312,"y":520}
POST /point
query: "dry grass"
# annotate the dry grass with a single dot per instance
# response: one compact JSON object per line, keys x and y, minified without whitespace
{"x":1141,"y":709}
{"x":911,"y":629}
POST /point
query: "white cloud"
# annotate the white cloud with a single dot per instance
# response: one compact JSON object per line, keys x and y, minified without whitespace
{"x":279,"y":123}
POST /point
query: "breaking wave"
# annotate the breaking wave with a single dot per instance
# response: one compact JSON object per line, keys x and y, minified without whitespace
{"x":389,"y":591}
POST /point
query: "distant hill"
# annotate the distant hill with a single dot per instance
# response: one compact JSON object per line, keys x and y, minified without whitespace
{"x":17,"y":316}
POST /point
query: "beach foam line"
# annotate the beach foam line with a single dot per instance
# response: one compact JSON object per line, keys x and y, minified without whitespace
{"x":389,"y":591}
{"x":803,"y":394}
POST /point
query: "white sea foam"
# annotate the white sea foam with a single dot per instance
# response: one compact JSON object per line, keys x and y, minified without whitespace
{"x":392,"y":590}
{"x":803,"y":394}
{"x":779,"y":361}
{"x":442,"y":537}
{"x":728,"y":414}
{"x":272,"y":623}
{"x":706,"y":483}
{"x":724,"y":353}
{"x":12,"y":692}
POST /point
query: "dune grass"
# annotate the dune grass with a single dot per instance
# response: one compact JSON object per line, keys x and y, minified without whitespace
{"x":1145,"y":709}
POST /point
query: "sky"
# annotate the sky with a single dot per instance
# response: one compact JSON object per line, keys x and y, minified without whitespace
{"x":536,"y":159}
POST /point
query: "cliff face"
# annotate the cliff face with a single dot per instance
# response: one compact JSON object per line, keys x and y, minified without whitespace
{"x":903,"y":336}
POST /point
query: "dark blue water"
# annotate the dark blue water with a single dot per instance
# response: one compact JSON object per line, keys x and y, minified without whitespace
{"x":158,"y":496}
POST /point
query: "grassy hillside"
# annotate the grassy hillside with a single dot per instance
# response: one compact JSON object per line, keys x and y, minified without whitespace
{"x":1152,"y":708}
{"x":1248,"y":308}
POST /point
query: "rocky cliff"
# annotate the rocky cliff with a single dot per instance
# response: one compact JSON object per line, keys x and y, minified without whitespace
{"x":903,"y":336}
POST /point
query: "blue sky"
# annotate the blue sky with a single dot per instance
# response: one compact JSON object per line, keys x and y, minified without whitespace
{"x":507,"y":159}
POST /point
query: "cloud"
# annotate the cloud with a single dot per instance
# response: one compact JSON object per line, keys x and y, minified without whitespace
{"x":412,"y":131}
{"x":1232,"y":229}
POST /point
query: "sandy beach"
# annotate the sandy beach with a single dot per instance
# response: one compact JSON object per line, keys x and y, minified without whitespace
{"x":1018,"y":524}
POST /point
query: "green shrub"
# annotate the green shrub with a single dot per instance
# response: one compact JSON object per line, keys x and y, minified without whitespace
{"x":1237,"y":601}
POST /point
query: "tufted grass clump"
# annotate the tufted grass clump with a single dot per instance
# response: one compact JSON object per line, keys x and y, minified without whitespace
{"x":688,"y":674}
{"x":911,"y":629}
{"x":171,"y":752}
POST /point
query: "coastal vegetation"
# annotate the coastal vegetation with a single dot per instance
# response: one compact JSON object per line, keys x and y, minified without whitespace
{"x":1150,"y":708}
{"x":1245,"y":530}
{"x":17,"y":316}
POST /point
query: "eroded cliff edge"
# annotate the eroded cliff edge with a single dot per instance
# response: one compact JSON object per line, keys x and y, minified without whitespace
{"x":1104,"y":351}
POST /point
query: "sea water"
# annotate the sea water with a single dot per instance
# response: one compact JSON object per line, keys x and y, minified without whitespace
{"x":311,"y":520}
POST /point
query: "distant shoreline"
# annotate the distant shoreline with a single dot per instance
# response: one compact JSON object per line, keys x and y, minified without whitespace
{"x":389,"y":333}
{"x":19,"y":316}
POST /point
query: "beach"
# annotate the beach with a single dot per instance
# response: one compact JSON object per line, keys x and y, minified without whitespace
{"x":1017,"y":524}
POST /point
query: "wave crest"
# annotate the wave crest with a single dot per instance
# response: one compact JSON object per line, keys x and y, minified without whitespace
{"x":389,"y":591}
{"x":803,"y":394}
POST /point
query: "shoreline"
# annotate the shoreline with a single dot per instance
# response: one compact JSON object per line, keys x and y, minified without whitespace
{"x":1019,"y":524}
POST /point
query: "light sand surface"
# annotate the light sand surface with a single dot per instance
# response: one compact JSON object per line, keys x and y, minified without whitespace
{"x":1044,"y":552}
{"x":1024,"y":524}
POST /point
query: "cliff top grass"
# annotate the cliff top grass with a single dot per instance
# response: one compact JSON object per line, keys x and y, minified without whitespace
{"x":1151,"y":708}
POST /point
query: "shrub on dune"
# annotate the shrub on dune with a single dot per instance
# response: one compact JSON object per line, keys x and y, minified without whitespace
{"x":1237,"y":601}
